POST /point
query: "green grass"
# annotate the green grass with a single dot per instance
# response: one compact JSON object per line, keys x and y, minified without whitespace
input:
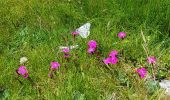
{"x":35,"y":29}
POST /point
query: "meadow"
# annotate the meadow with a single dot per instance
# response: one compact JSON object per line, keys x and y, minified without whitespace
{"x":36,"y":28}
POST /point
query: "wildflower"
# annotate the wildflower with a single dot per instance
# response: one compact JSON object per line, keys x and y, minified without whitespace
{"x":121,"y":35}
{"x":23,"y":60}
{"x":107,"y":61}
{"x":151,"y":59}
{"x":113,"y":53}
{"x":92,"y":44}
{"x":75,"y":33}
{"x":142,"y":72}
{"x":66,"y":50}
{"x":54,"y":65}
{"x":91,"y":50}
{"x":22,"y":71}
{"x":50,"y":75}
{"x":66,"y":55}
{"x":114,"y":60}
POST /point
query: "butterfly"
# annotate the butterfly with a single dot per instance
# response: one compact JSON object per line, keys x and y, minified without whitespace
{"x":70,"y":47}
{"x":84,"y":30}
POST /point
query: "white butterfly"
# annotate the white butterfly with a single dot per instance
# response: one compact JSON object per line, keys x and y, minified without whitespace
{"x":84,"y":30}
{"x":70,"y":47}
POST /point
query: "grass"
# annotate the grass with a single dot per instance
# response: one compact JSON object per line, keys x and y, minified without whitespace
{"x":35,"y":29}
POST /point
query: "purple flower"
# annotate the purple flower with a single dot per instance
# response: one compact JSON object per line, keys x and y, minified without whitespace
{"x":107,"y":61}
{"x":113,"y":53}
{"x":91,"y":50}
{"x":23,"y":71}
{"x":75,"y":33}
{"x":66,"y":55}
{"x":66,"y":50}
{"x":114,"y":60}
{"x":151,"y":59}
{"x":92,"y":44}
{"x":121,"y":35}
{"x":54,"y":65}
{"x":142,"y":72}
{"x":50,"y":75}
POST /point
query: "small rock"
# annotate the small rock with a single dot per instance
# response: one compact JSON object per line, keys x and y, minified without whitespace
{"x":23,"y":60}
{"x":165,"y":84}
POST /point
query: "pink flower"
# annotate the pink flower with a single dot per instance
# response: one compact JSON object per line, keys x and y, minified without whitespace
{"x":91,"y":50}
{"x":142,"y":72}
{"x":114,"y":60}
{"x":151,"y":59}
{"x":23,"y":71}
{"x":66,"y":55}
{"x":54,"y":65}
{"x":66,"y":50}
{"x":121,"y":35}
{"x":107,"y":61}
{"x":50,"y":75}
{"x":92,"y":44}
{"x":75,"y":33}
{"x":113,"y":53}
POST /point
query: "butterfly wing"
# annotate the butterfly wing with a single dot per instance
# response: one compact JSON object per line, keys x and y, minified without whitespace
{"x":70,"y":47}
{"x":74,"y":47}
{"x":63,"y":47}
{"x":84,"y":30}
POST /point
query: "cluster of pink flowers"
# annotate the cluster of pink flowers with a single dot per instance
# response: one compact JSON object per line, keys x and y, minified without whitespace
{"x":142,"y":71}
{"x":66,"y":52}
{"x":112,"y":59}
{"x":92,"y":46}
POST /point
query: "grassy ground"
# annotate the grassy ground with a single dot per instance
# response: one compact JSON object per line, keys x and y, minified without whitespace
{"x":35,"y":29}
